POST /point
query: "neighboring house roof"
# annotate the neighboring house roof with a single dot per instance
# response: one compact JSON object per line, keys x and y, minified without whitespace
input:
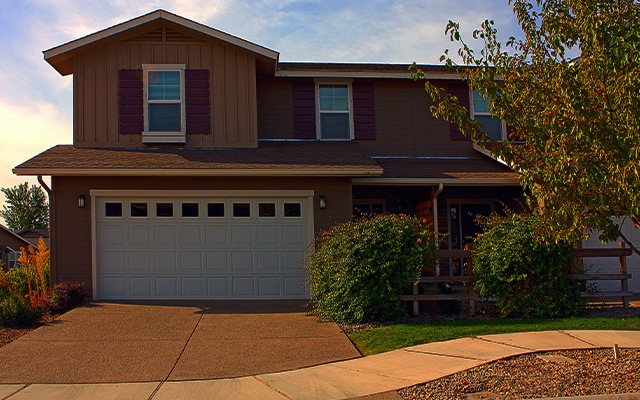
{"x":447,"y":170}
{"x":33,"y":233}
{"x":61,"y":57}
{"x":7,"y":231}
{"x":291,"y":158}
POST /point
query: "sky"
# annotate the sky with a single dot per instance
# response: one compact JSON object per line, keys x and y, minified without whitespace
{"x":36,"y":102}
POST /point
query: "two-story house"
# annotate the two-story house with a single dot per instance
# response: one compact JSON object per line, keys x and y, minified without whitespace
{"x":201,"y":166}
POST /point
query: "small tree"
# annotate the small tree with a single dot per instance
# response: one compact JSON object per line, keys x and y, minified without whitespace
{"x":26,"y":207}
{"x":579,"y":117}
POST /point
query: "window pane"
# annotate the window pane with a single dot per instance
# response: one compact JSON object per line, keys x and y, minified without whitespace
{"x":164,"y":210}
{"x":164,"y":117}
{"x":156,"y":77}
{"x":479,"y":104}
{"x":190,"y":210}
{"x":335,"y":126}
{"x":493,"y":125}
{"x":172,"y":92}
{"x":334,"y":97}
{"x":267,"y":210}
{"x":292,"y":210}
{"x":164,"y":85}
{"x":215,"y":209}
{"x":241,"y":210}
{"x":113,"y":209}
{"x":138,"y":209}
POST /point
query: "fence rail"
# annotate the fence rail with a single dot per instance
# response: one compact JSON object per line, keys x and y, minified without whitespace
{"x":467,"y":280}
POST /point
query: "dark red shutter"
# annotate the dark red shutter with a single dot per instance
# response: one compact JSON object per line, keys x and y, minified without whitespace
{"x":130,"y":104}
{"x":461,"y":91}
{"x":304,"y":110}
{"x":364,"y":118}
{"x":198,"y":101}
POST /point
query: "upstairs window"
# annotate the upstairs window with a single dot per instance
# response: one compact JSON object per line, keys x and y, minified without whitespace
{"x":480,"y":111}
{"x":334,"y":111}
{"x":164,"y":105}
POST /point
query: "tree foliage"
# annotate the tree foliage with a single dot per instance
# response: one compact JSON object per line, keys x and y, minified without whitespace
{"x":25,"y":207}
{"x":570,"y":88}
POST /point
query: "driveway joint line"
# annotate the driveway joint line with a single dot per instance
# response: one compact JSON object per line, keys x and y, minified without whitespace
{"x":507,"y":344}
{"x":443,"y":355}
{"x":577,"y":338}
{"x":16,"y":392}
{"x":275,"y":389}
{"x":204,"y":310}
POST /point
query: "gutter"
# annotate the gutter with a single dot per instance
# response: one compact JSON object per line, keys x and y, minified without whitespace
{"x":44,"y":186}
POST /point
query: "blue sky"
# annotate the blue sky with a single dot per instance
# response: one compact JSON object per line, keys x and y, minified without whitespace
{"x":35,"y":101}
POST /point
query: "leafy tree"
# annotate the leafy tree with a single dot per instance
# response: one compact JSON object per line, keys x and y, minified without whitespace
{"x":570,"y":88}
{"x":26,"y":207}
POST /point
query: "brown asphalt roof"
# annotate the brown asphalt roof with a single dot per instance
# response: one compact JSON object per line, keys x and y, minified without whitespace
{"x":360,"y":67}
{"x":481,"y":168}
{"x":343,"y":158}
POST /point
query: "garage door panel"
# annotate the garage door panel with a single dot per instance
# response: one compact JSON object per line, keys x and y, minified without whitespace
{"x":243,"y":287}
{"x":216,"y":234}
{"x":191,"y":261}
{"x":217,"y":261}
{"x":241,"y":235}
{"x":139,"y":235}
{"x":269,"y":287}
{"x":164,"y":235}
{"x":268,"y":261}
{"x":221,"y":255}
{"x":242,"y":261}
{"x":166,"y":287}
{"x":267,"y":235}
{"x":140,"y":261}
{"x":192,"y":287}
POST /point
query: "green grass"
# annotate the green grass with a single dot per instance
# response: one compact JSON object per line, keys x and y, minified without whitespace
{"x":386,"y":338}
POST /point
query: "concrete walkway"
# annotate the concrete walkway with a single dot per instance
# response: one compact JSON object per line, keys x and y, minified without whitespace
{"x":366,"y":376}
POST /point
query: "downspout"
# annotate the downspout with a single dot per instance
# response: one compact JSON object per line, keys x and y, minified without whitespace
{"x":434,"y":202}
{"x":44,"y":185}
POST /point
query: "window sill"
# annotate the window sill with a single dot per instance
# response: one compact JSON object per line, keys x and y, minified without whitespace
{"x":164,"y":137}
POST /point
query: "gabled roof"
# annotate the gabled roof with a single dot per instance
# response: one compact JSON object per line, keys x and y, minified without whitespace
{"x":11,"y":233}
{"x":303,"y":158}
{"x":57,"y":56}
{"x":33,"y":233}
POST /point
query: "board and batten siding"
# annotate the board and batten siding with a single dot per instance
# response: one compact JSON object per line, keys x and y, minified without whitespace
{"x":71,"y":225}
{"x":234,"y":115}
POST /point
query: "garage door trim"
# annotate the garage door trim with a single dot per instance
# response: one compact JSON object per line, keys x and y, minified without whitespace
{"x":95,"y":194}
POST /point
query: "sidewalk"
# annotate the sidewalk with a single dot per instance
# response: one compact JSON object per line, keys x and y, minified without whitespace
{"x":346,"y":379}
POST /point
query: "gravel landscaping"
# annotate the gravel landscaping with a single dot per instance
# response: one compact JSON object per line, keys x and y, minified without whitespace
{"x":587,"y":372}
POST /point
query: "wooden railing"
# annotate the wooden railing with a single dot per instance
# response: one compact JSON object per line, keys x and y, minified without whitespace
{"x":466,"y":291}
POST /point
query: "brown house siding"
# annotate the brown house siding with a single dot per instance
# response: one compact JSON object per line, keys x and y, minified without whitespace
{"x":71,"y":226}
{"x":275,"y":108}
{"x":232,"y":88}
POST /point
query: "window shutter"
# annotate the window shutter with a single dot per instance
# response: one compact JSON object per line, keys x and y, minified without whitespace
{"x":198,"y":101}
{"x":130,"y":104}
{"x":364,"y":119}
{"x":304,"y":110}
{"x":461,"y":91}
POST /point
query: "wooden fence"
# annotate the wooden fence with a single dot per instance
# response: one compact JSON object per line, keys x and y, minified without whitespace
{"x":464,"y":282}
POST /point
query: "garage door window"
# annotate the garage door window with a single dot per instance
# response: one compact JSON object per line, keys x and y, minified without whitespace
{"x":267,"y":210}
{"x":139,"y":210}
{"x":164,"y":210}
{"x":190,"y":210}
{"x":292,"y":210}
{"x":215,"y":210}
{"x":241,"y":210}
{"x":113,"y":210}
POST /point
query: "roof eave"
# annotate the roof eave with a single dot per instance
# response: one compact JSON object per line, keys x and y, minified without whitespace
{"x":436,"y":181}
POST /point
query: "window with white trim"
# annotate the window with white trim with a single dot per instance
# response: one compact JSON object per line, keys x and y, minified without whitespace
{"x":495,"y":127}
{"x":13,"y":259}
{"x":164,"y":105}
{"x":334,"y":111}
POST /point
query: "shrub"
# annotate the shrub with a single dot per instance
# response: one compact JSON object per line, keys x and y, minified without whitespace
{"x":517,"y":262}
{"x":64,"y":296}
{"x":359,"y":269}
{"x":17,"y":311}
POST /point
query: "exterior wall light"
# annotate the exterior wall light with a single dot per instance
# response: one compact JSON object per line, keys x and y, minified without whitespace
{"x":323,"y":202}
{"x":81,"y":199}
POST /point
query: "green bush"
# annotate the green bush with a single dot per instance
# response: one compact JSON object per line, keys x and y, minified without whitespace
{"x":65,"y":295}
{"x":524,"y":268}
{"x":359,"y":269}
{"x":17,"y":311}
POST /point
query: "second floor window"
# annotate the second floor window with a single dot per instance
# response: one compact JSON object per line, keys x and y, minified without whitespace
{"x":334,"y":111}
{"x":164,"y":102}
{"x":480,"y":111}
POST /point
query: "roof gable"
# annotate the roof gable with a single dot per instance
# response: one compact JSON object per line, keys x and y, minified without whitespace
{"x":6,"y":231}
{"x":148,"y":27}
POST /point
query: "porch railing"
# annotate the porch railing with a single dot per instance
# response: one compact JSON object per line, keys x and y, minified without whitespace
{"x":465,"y":281}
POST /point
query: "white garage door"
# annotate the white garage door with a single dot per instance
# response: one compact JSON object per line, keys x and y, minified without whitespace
{"x":201,"y":248}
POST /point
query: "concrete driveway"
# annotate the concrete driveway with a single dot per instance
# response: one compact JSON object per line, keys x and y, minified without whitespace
{"x":116,"y":342}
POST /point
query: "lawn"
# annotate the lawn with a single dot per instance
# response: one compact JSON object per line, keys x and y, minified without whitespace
{"x":386,"y":338}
